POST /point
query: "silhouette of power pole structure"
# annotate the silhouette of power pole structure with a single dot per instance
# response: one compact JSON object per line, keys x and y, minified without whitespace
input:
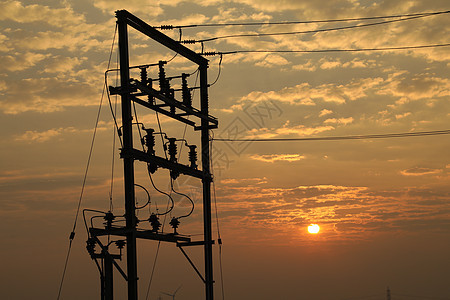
{"x":388,"y":294}
{"x":162,"y":101}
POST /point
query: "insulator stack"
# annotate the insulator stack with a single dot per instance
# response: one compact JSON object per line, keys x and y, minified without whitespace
{"x":144,"y":78}
{"x":193,"y":156}
{"x":90,"y":246}
{"x":166,"y":27}
{"x":172,"y":150}
{"x":149,"y":140}
{"x":150,"y":98}
{"x":174,"y":223}
{"x":164,"y":85}
{"x":154,"y":222}
{"x":120,"y":244}
{"x":109,"y":218}
{"x":186,"y":92}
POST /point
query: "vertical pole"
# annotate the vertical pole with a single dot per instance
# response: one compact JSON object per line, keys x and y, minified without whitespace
{"x":207,"y":231}
{"x":128,"y":162}
{"x":108,"y":277}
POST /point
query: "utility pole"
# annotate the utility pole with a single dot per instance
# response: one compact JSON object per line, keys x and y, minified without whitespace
{"x":163,"y":101}
{"x":388,"y":294}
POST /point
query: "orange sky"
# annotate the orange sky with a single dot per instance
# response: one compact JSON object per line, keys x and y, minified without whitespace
{"x":382,"y":204}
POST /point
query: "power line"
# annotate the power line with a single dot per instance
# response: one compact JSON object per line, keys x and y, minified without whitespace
{"x":212,"y":53}
{"x":311,"y":31}
{"x":169,"y":27}
{"x":72,"y":234}
{"x":335,"y":138}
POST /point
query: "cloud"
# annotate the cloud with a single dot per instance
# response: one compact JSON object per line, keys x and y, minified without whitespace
{"x":21,"y":61}
{"x":46,"y":95}
{"x":277,"y":157}
{"x":17,"y":12}
{"x":287,"y":130}
{"x":417,"y":86}
{"x":325,"y":112}
{"x":418,"y":171}
{"x":352,"y":211}
{"x":305,"y":94}
{"x":341,"y":121}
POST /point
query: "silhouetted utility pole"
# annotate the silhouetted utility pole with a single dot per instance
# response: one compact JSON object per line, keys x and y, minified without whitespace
{"x":388,"y":294}
{"x":162,"y":101}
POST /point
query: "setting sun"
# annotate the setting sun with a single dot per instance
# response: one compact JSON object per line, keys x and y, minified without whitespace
{"x":313,"y":228}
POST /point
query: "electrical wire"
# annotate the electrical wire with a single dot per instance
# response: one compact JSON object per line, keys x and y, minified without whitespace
{"x":294,"y":22}
{"x":326,"y":50}
{"x":183,"y":195}
{"x":149,"y":174}
{"x":312,"y":31}
{"x":72,"y":234}
{"x":218,"y":74}
{"x":219,"y":239}
{"x":148,"y":196}
{"x":111,"y":207}
{"x":181,"y":34}
{"x":110,"y":106}
{"x":335,"y":138}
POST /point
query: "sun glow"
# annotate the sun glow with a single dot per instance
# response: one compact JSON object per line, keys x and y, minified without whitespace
{"x":313,"y":228}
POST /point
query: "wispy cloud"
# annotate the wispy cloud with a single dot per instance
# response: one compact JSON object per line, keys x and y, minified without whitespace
{"x":418,"y":171}
{"x":271,"y":158}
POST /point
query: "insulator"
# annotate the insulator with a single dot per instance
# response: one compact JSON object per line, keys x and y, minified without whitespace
{"x":189,"y":42}
{"x":174,"y":223}
{"x":164,"y":84}
{"x":166,"y":27}
{"x":172,"y":150}
{"x":174,"y":174}
{"x":109,"y":218}
{"x":90,"y":246}
{"x":149,"y":140}
{"x":120,"y":244}
{"x":186,"y":92}
{"x":144,"y":76}
{"x":211,"y":53}
{"x":150,"y":98}
{"x":152,"y":168}
{"x":154,"y":222}
{"x":193,"y":156}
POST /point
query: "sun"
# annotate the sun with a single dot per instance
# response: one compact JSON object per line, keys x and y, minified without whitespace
{"x":313,"y":228}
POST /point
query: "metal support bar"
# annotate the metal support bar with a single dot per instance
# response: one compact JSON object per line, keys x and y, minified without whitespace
{"x":141,"y":234}
{"x":196,"y":243}
{"x":113,"y":261}
{"x":160,"y":110}
{"x":164,"y":163}
{"x":161,"y":38}
{"x":207,"y":226}
{"x":192,"y":264}
{"x":128,"y":163}
{"x":173,"y":102}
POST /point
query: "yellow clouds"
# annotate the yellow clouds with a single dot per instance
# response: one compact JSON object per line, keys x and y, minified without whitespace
{"x":417,"y":171}
{"x":16,"y":11}
{"x":305,"y":94}
{"x":287,"y":130}
{"x":21,"y":61}
{"x":277,"y":157}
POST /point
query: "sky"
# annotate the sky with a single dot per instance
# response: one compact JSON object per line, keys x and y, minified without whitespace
{"x":383,"y":205}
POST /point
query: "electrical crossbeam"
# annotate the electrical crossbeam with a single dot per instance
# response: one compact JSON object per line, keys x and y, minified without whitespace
{"x":142,"y":234}
{"x":164,"y":163}
{"x":163,"y":39}
{"x":172,"y":102}
{"x":147,"y":91}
